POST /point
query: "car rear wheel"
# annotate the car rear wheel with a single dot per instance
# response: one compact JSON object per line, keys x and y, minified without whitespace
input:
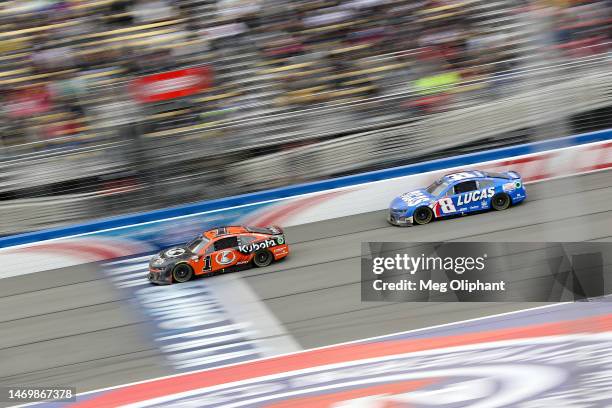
{"x":500,"y":202}
{"x":263,"y":258}
{"x":182,"y":273}
{"x":422,"y":216}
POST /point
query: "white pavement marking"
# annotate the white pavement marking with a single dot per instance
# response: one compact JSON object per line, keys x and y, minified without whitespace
{"x":13,"y":263}
{"x":207,"y":332}
{"x":208,"y":350}
{"x":186,"y":345}
{"x":193,"y":325}
{"x":131,"y":268}
{"x":137,"y":275}
{"x":215,"y":359}
{"x":138,"y":260}
{"x":243,"y":305}
{"x":142,"y":282}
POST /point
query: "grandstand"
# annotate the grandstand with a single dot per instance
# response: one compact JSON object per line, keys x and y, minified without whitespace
{"x":296,"y":91}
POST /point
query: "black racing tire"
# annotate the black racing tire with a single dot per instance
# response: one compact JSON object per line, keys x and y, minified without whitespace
{"x":422,"y":216}
{"x":182,"y":273}
{"x":263,"y":258}
{"x":500,"y":201}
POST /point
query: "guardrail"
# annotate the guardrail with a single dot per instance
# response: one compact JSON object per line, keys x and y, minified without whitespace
{"x":342,"y":196}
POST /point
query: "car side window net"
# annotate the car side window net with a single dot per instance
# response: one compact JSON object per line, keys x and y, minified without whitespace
{"x":225,"y":243}
{"x":247,"y":239}
{"x":466,"y":186}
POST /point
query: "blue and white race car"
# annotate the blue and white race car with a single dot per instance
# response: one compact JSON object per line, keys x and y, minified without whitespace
{"x":457,"y":194}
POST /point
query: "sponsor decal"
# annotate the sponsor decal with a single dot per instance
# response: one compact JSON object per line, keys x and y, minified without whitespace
{"x":497,"y":362}
{"x":174,"y":252}
{"x":486,"y":375}
{"x":445,"y":206}
{"x":475,"y":195}
{"x":509,"y":186}
{"x":225,"y":257}
{"x":171,"y":84}
{"x":280,"y":240}
{"x":414,"y":198}
{"x":207,"y":264}
{"x":256,"y":246}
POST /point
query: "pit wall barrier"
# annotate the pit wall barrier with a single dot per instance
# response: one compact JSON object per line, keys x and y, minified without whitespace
{"x":318,"y":201}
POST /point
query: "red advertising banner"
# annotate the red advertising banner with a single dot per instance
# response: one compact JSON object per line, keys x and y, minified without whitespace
{"x":28,"y":102}
{"x":171,"y":84}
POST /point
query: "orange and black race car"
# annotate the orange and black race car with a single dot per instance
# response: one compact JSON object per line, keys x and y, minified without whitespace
{"x":219,"y":250}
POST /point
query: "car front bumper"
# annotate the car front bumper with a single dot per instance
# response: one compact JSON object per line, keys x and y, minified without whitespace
{"x":395,"y":219}
{"x":159,"y":276}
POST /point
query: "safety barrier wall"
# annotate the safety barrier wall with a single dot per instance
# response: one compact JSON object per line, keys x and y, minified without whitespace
{"x":334,"y":198}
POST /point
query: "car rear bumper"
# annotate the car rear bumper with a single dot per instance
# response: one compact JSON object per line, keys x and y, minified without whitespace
{"x":280,"y":252}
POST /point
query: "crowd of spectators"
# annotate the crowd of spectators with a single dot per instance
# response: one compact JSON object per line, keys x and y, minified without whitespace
{"x":280,"y":74}
{"x":59,"y":58}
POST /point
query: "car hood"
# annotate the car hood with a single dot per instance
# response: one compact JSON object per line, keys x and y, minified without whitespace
{"x":173,"y":254}
{"x":412,"y":199}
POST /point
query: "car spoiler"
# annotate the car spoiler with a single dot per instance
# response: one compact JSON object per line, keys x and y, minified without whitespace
{"x":272,"y":230}
{"x":275,"y":229}
{"x":513,"y":175}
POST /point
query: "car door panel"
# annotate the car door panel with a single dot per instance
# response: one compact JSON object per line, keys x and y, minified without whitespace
{"x":471,"y":197}
{"x":459,"y":198}
{"x":223,"y":258}
{"x":464,"y":197}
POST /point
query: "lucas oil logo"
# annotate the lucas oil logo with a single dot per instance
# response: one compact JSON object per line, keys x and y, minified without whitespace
{"x":475,"y":195}
{"x":446,"y":205}
{"x":256,"y":246}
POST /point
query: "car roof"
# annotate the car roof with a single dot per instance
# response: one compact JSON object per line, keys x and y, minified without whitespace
{"x":463,"y":175}
{"x":229,"y":230}
{"x":234,"y":230}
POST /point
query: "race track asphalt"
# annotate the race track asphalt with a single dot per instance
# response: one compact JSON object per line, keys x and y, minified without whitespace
{"x":317,"y":295}
{"x":71,"y":326}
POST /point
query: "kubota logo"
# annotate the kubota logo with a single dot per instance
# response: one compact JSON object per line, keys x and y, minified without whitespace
{"x":256,"y":246}
{"x":225,"y":257}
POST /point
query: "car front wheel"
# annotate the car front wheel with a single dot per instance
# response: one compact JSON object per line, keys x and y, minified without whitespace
{"x":422,"y":216}
{"x":182,"y":273}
